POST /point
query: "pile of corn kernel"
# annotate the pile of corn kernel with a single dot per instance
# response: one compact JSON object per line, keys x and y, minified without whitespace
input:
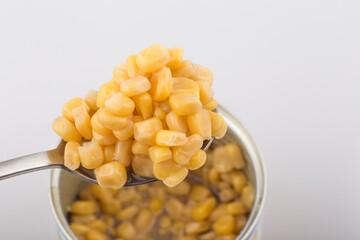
{"x":189,"y":211}
{"x":151,"y":117}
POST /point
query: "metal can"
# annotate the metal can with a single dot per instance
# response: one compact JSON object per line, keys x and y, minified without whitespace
{"x":64,"y":186}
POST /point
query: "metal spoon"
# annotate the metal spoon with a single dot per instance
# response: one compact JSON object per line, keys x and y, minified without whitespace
{"x":55,"y":159}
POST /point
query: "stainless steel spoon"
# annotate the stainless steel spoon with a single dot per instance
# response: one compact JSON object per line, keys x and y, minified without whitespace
{"x":55,"y":159}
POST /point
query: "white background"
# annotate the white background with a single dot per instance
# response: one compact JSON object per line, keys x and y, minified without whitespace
{"x":289,"y":70}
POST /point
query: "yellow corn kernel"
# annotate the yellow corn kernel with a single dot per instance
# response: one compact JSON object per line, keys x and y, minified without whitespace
{"x":91,"y":155}
{"x":79,"y":229}
{"x":176,"y":178}
{"x":160,"y":154}
{"x":103,"y":194}
{"x":218,"y":125}
{"x":138,"y":118}
{"x":233,"y":152}
{"x":142,"y":166}
{"x":238,"y":180}
{"x":248,"y":195}
{"x":109,"y":153}
{"x":71,"y":155}
{"x":176,"y":122}
{"x":112,"y":175}
{"x":185,"y":104}
{"x":83,"y":219}
{"x":143,"y":219}
{"x":185,"y":85}
{"x":82,"y":122}
{"x":165,"y":106}
{"x":186,"y":69}
{"x":98,"y":225}
{"x":202,"y":210}
{"x":163,"y":170}
{"x":143,"y":105}
{"x":183,"y":189}
{"x":219,"y":212}
{"x":95,"y":235}
{"x":155,"y":204}
{"x":104,"y":140}
{"x":206,"y":92}
{"x":127,"y":213}
{"x":197,"y":161}
{"x":240,"y":222}
{"x":195,"y":228}
{"x":203,"y":74}
{"x":210,"y":105}
{"x":105,"y":91}
{"x":153,"y":58}
{"x":111,"y":121}
{"x":161,"y":84}
{"x":145,"y":131}
{"x":123,"y":152}
{"x":199,"y":193}
{"x":135,"y":86}
{"x":139,"y":148}
{"x":66,"y":130}
{"x":224,"y":225}
{"x":86,"y":194}
{"x":236,"y":208}
{"x":98,"y":127}
{"x":120,"y":105}
{"x":227,"y":194}
{"x":170,"y":138}
{"x":165,"y":224}
{"x":178,"y":227}
{"x":126,"y":230}
{"x":125,"y":133}
{"x":111,"y":206}
{"x":222,"y":163}
{"x":200,"y":123}
{"x":213,"y":175}
{"x":157,"y":190}
{"x":119,"y":75}
{"x":175,"y":208}
{"x":90,"y":99}
{"x":131,"y":66}
{"x":176,"y":56}
{"x":159,"y":113}
{"x":70,"y":105}
{"x":81,"y":207}
{"x":183,"y":153}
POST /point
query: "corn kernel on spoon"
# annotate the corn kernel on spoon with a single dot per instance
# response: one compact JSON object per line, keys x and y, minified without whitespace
{"x":55,"y":159}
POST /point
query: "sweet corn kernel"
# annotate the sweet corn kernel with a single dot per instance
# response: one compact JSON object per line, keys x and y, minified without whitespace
{"x":70,"y":105}
{"x":163,"y":170}
{"x":71,"y":155}
{"x":79,"y":229}
{"x":95,"y":235}
{"x":142,"y":166}
{"x":160,"y":154}
{"x":176,"y":122}
{"x":165,"y":105}
{"x":165,"y":222}
{"x":176,"y":178}
{"x":213,"y":175}
{"x":219,"y":212}
{"x":225,"y":225}
{"x":138,"y":118}
{"x":123,"y":152}
{"x":104,"y":140}
{"x":155,"y":204}
{"x":143,"y":105}
{"x":109,"y":153}
{"x":145,"y":131}
{"x":153,"y":58}
{"x":185,"y":85}
{"x":159,"y":113}
{"x":199,"y":193}
{"x":202,"y":210}
{"x":248,"y":195}
{"x":111,"y":206}
{"x":203,"y":74}
{"x":83,"y":219}
{"x":90,"y":99}
{"x":126,"y":133}
{"x":66,"y":130}
{"x":236,"y":208}
{"x":178,"y":227}
{"x":127,"y":213}
{"x":103,"y":194}
{"x":186,"y":69}
{"x":238,"y":180}
{"x":139,"y":148}
{"x":98,"y":225}
{"x":161,"y":84}
{"x":218,"y":125}
{"x":132,"y":69}
{"x":86,"y":194}
{"x":112,"y":175}
{"x":185,"y":104}
{"x":126,"y":230}
{"x":157,"y":191}
{"x":183,"y":153}
{"x":135,"y":86}
{"x":105,"y":91}
{"x":119,"y":104}
{"x":227,"y":194}
{"x":183,"y":189}
{"x":195,"y":228}
{"x":111,"y":121}
{"x":98,"y":127}
{"x":200,"y":123}
{"x":222,"y":162}
{"x":143,"y":219}
{"x":226,"y":177}
{"x":176,"y":57}
{"x":82,"y":122}
{"x":233,"y":152}
{"x":197,"y":161}
{"x":240,"y":222}
{"x":81,"y":207}
{"x":210,"y":105}
{"x":91,"y":155}
{"x":170,"y":138}
{"x":119,"y":74}
{"x":175,"y":208}
{"x":206,"y":92}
